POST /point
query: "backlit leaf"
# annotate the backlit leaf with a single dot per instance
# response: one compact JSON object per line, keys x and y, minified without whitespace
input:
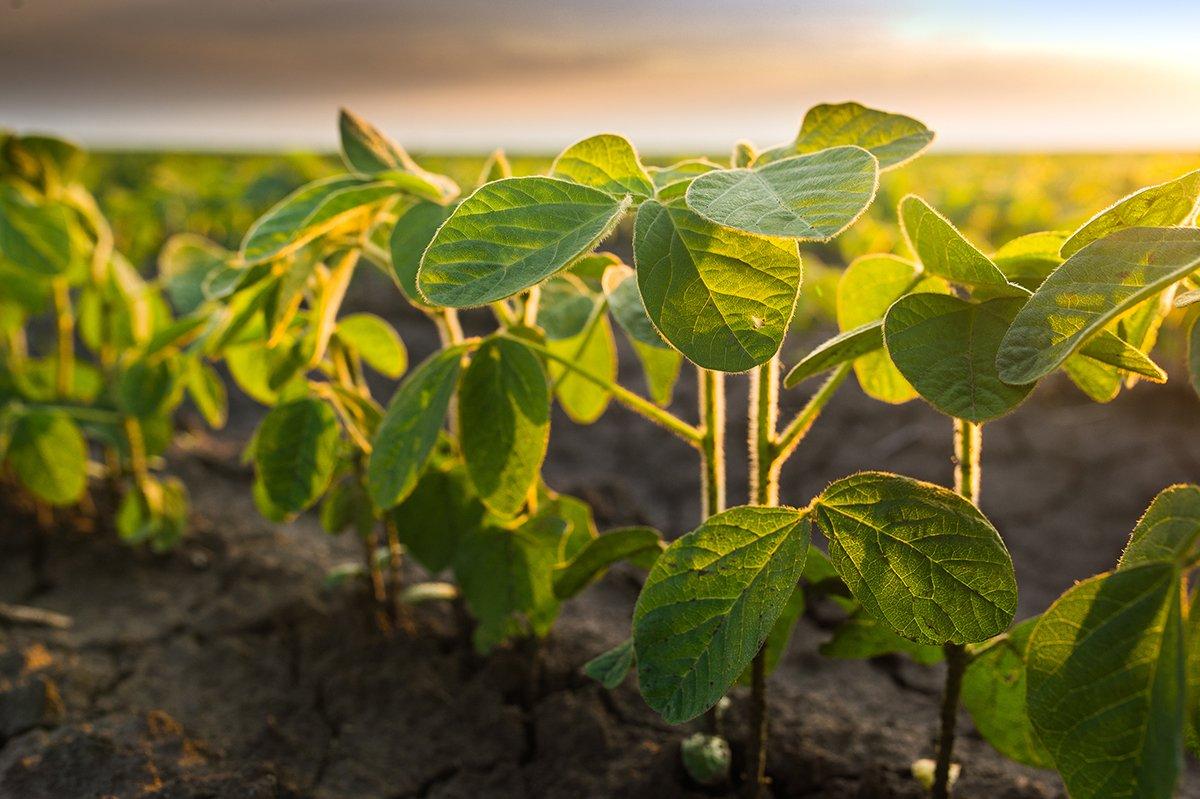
{"x":411,"y":235}
{"x":1028,"y":260}
{"x":722,"y":297}
{"x":1164,"y":205}
{"x":512,"y":234}
{"x":843,"y":347}
{"x":1106,"y":683}
{"x":296,"y":451}
{"x":709,"y":603}
{"x":811,"y":197}
{"x":594,"y":350}
{"x":944,"y":252}
{"x":892,"y":138}
{"x":410,"y":427}
{"x":1167,"y":530}
{"x":625,"y":301}
{"x":606,"y":162}
{"x":184,"y":263}
{"x":49,"y":456}
{"x":861,"y":636}
{"x":591,"y":562}
{"x":504,"y":416}
{"x":919,"y":557}
{"x":375,"y":341}
{"x":1090,"y":289}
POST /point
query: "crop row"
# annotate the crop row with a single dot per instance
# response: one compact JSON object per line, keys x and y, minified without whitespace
{"x":1101,"y":686}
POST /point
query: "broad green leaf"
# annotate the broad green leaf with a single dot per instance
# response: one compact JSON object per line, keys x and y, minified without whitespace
{"x":1167,"y":530}
{"x":591,"y":562}
{"x":866,"y":290}
{"x":309,"y":212}
{"x":1110,"y":349}
{"x":441,"y":509}
{"x":566,"y":307}
{"x":625,"y":301}
{"x":594,"y":350}
{"x":1165,"y":205}
{"x":843,"y":347}
{"x":375,"y":341}
{"x":780,"y":636}
{"x":710,"y":602}
{"x":721,"y":297}
{"x":35,"y":237}
{"x":504,"y":416}
{"x":919,"y":557}
{"x":411,"y":235}
{"x":1099,"y":381}
{"x":367,"y":151}
{"x":993,"y":692}
{"x":1106,"y":683}
{"x":184,"y":263}
{"x":505,"y":576}
{"x":590,"y":268}
{"x":146,"y":386}
{"x":512,"y":234}
{"x":892,"y":138}
{"x":672,"y":181}
{"x":295,"y":453}
{"x":861,"y":637}
{"x":946,"y":348}
{"x":207,"y":391}
{"x":944,"y":252}
{"x":1028,"y":260}
{"x":811,"y":197}
{"x":410,"y":427}
{"x":49,"y":456}
{"x":612,"y":667}
{"x":606,"y":162}
{"x":661,"y":370}
{"x":1139,"y":328}
{"x":1092,"y":288}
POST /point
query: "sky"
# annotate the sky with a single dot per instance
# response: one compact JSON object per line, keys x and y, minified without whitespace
{"x":536,"y":75}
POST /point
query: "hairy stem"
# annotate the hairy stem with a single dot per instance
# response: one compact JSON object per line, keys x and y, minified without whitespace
{"x":968,"y":444}
{"x":712,"y":441}
{"x":64,"y":318}
{"x":764,"y":490}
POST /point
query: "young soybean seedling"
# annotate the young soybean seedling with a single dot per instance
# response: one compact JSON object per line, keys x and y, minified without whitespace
{"x":119,"y":391}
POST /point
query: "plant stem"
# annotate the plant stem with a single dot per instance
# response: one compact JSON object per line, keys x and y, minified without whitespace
{"x":764,"y":490}
{"x":65,"y":325}
{"x":968,"y":444}
{"x":330,"y":302}
{"x":787,"y":441}
{"x":712,"y":441}
{"x":635,"y":403}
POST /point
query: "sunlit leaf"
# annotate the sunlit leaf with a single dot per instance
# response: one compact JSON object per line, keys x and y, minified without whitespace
{"x":591,"y":562}
{"x":606,"y":162}
{"x":944,"y":252}
{"x":594,"y":350}
{"x":842,"y":348}
{"x":296,"y":451}
{"x":1164,"y":205}
{"x":1168,"y":530}
{"x":410,"y":236}
{"x":892,"y":138}
{"x":184,"y":263}
{"x":375,"y":341}
{"x":49,"y":456}
{"x":1028,"y":260}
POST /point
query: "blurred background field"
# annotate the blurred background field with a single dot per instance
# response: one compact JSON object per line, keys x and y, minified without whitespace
{"x":991,"y":197}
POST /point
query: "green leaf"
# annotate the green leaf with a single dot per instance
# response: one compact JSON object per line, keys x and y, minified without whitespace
{"x":946,"y":348}
{"x":505,"y":576}
{"x":625,"y":301}
{"x":504,"y":416}
{"x":919,"y":557}
{"x":862,"y":637}
{"x":346,"y":505}
{"x":593,"y":560}
{"x":207,"y":391}
{"x":412,"y":233}
{"x":866,"y":290}
{"x":892,"y":138}
{"x":743,"y":154}
{"x":440,"y":511}
{"x":780,"y":636}
{"x":49,"y":456}
{"x":710,"y":602}
{"x":295,"y":453}
{"x":843,"y":347}
{"x":37,"y":238}
{"x":512,"y":234}
{"x":612,"y":667}
{"x":944,"y":251}
{"x":184,"y":263}
{"x":672,"y":181}
{"x":146,"y":386}
{"x":661,"y":370}
{"x":410,"y":427}
{"x":595,"y":351}
{"x":369,"y":152}
{"x":811,"y":197}
{"x":309,"y":212}
{"x":375,"y":341}
{"x":1110,"y":349}
{"x":606,"y":162}
{"x":1092,"y":288}
{"x":1165,"y":205}
{"x":1029,"y":260}
{"x":566,"y":307}
{"x":721,"y":297}
{"x":1167,"y":530}
{"x":1106,"y":683}
{"x":495,"y":167}
{"x":993,"y":692}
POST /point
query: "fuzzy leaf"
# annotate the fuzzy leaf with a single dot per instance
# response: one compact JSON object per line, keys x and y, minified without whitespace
{"x":591,"y":562}
{"x":892,"y":138}
{"x":944,"y":251}
{"x":710,"y":602}
{"x":843,"y":347}
{"x":606,"y":162}
{"x":721,"y":297}
{"x":1029,"y":260}
{"x":411,"y":235}
{"x":919,"y":557}
{"x":811,"y":197}
{"x":1165,"y":205}
{"x":512,"y":234}
{"x":1168,"y":530}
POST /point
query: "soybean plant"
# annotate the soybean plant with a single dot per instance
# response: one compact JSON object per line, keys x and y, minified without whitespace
{"x":117,"y":394}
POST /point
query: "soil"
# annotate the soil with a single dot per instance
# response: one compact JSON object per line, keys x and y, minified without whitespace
{"x":226,"y":669}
